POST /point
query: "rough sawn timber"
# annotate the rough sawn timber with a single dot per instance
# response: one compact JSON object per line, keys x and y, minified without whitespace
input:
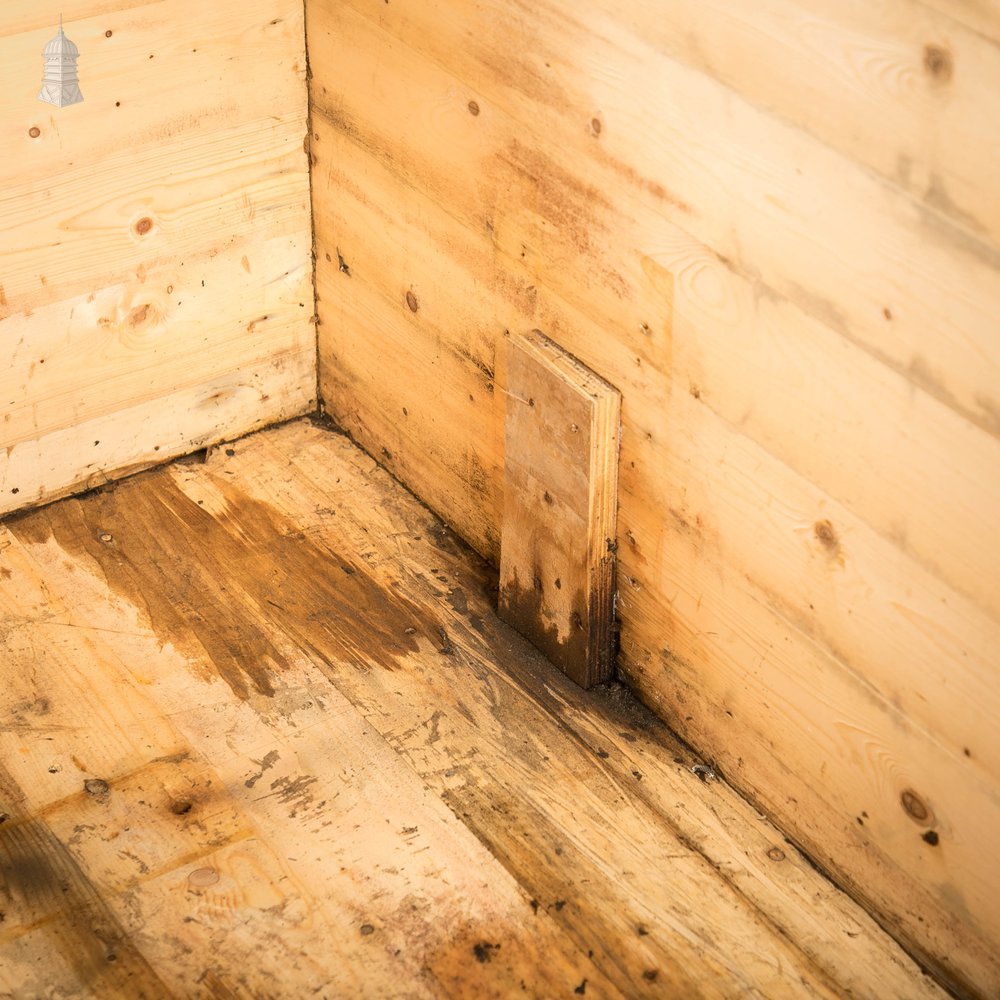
{"x":802,"y":323}
{"x":263,"y":734}
{"x":557,"y":554}
{"x":155,"y":269}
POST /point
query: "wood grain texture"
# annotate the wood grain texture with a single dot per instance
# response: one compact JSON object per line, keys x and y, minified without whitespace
{"x":980,"y":15}
{"x":264,"y":724}
{"x":155,"y":239}
{"x":810,"y":468}
{"x":767,"y":214}
{"x":906,"y":82}
{"x":557,"y":554}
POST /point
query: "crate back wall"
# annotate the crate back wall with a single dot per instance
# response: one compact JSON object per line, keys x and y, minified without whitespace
{"x":776,"y":232}
{"x":155,"y":271}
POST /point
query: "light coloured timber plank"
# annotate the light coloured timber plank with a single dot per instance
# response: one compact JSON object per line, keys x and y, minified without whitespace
{"x":184,"y":140}
{"x":847,"y":423}
{"x":557,"y":560}
{"x":980,"y":15}
{"x":164,"y":330}
{"x":766,"y":212}
{"x":401,"y":391}
{"x":723,"y":350}
{"x":911,"y":86}
{"x":119,"y":228}
{"x":152,"y":431}
{"x":156,"y":241}
{"x":21,"y":16}
{"x":458,"y":468}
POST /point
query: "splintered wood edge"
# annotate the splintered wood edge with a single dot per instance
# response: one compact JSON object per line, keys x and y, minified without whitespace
{"x":605,"y":426}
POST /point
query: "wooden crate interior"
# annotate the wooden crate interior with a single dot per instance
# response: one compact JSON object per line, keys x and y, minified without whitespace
{"x":773,"y":228}
{"x":155,"y":270}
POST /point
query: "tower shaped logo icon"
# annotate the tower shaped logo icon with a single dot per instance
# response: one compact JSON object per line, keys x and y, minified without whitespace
{"x":60,"y":85}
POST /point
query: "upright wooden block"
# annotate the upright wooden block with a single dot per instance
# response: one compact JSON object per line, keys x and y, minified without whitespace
{"x":557,"y":562}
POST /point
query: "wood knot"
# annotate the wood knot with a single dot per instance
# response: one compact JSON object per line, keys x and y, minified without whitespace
{"x":411,"y":301}
{"x":915,"y":807}
{"x":823,"y":530}
{"x":938,"y":63}
{"x":143,"y":226}
{"x":827,"y":537}
{"x":138,"y":315}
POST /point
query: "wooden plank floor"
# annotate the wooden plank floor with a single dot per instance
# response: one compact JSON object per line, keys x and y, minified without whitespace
{"x":262,"y":735}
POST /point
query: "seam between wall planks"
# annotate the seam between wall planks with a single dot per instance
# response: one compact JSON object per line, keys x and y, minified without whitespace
{"x":310,"y":160}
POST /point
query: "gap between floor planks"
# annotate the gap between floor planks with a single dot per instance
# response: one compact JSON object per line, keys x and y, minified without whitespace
{"x":263,"y":735}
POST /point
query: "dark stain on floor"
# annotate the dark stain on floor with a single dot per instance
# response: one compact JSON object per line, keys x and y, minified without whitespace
{"x":221,"y":587}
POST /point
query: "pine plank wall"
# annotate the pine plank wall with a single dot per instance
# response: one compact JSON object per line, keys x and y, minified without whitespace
{"x":776,"y":229}
{"x":155,"y":272}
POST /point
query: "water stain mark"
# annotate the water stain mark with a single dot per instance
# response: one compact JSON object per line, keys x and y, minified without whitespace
{"x":183,"y":563}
